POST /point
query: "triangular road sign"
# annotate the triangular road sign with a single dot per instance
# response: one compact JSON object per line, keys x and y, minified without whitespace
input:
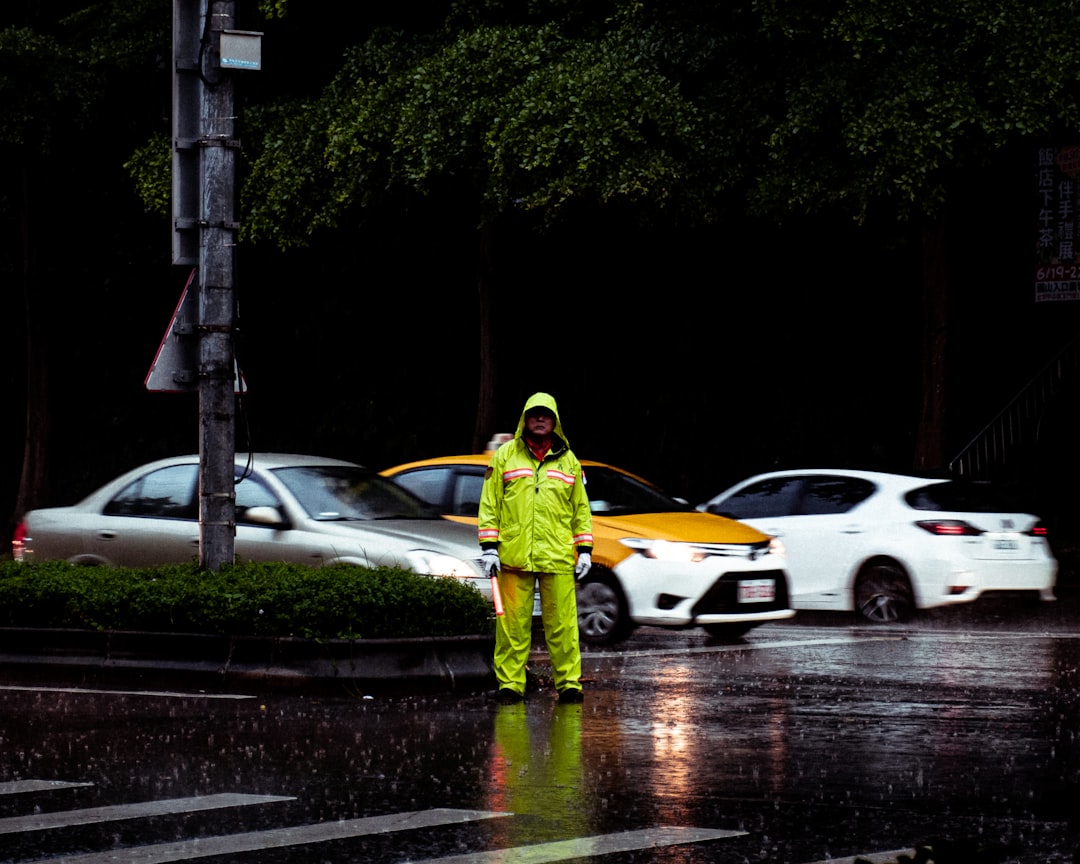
{"x":176,"y":365}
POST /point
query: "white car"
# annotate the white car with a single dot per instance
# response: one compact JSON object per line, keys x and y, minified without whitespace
{"x":301,"y":509}
{"x":885,"y":544}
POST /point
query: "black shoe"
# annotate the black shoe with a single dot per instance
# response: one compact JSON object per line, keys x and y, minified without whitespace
{"x":571,"y":696}
{"x":506,"y":696}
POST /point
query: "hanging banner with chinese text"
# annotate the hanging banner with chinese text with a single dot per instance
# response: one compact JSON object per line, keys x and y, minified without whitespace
{"x":1057,"y":265}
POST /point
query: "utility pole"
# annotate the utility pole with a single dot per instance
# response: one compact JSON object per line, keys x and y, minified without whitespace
{"x":218,"y":227}
{"x":204,"y":235}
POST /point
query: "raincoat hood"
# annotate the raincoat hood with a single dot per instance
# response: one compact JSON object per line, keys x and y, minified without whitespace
{"x":543,"y":400}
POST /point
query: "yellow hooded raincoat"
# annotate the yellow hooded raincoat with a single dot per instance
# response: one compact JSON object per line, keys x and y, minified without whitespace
{"x":537,"y":512}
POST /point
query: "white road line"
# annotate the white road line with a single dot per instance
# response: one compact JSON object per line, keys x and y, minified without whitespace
{"x":120,"y":812}
{"x":749,"y":646}
{"x":582,"y":847}
{"x":205,"y":847}
{"x":170,"y":694}
{"x":18,"y":787}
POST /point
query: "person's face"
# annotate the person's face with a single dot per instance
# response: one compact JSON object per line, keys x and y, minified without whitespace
{"x":539,"y":424}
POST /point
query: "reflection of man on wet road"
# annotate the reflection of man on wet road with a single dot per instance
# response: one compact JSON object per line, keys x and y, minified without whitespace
{"x":536,"y":770}
{"x":534,"y":516}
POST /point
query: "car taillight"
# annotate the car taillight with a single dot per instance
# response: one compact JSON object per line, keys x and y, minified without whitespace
{"x":949,"y":528}
{"x":1038,"y":530}
{"x":18,"y":541}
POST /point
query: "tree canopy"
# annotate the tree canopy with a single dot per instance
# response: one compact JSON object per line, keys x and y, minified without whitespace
{"x":881,"y":101}
{"x":515,"y":116}
{"x":794,"y":107}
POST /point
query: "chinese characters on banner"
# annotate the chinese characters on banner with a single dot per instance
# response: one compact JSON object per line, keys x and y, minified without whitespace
{"x":1057,"y":264}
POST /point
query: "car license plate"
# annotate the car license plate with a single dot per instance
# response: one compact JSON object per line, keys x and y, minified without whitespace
{"x":757,"y":591}
{"x":1002,"y":546}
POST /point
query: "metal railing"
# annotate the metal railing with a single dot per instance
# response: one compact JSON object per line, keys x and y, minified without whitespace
{"x":1006,"y":443}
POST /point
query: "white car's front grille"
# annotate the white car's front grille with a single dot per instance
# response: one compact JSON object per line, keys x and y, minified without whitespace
{"x":749,"y":551}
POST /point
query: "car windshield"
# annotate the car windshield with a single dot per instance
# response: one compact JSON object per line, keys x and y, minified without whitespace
{"x":612,"y":493}
{"x":343,"y":493}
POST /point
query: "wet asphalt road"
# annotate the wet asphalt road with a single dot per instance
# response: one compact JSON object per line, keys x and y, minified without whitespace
{"x":812,"y":740}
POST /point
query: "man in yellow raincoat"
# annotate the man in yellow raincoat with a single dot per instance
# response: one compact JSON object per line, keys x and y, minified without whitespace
{"x":535,"y":527}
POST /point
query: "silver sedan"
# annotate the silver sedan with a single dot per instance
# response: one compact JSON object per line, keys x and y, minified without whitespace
{"x":301,"y":509}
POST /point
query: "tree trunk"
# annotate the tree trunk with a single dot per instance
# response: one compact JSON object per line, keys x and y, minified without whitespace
{"x":930,"y":436}
{"x":485,"y":403}
{"x":33,"y":483}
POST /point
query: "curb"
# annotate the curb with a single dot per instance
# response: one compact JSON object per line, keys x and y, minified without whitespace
{"x":420,"y":665}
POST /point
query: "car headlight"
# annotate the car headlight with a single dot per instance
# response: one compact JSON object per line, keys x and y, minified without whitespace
{"x":666,"y":550}
{"x":692,"y":553}
{"x":440,"y":564}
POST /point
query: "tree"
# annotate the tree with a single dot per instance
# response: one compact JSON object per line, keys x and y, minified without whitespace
{"x":35,"y":70}
{"x":860,"y":106}
{"x":877,"y":106}
{"x":63,"y":69}
{"x":533,"y":116}
{"x":691,"y":109}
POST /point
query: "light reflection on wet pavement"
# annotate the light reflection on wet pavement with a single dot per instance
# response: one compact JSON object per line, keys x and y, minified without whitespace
{"x":816,"y":742}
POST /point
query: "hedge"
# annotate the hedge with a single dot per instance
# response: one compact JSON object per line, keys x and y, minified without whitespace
{"x":338,"y":602}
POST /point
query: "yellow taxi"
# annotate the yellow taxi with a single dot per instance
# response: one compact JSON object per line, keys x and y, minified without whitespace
{"x":656,"y":560}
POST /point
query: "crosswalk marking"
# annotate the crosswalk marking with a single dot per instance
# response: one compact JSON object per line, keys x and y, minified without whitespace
{"x":19,"y":787}
{"x":205,"y":847}
{"x":583,"y":847}
{"x":873,"y":857}
{"x":116,"y":813}
{"x":277,"y":838}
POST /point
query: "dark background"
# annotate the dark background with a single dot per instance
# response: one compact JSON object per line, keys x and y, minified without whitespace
{"x":692,"y":356}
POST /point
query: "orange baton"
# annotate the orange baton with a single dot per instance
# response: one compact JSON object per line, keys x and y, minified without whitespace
{"x":495,"y":595}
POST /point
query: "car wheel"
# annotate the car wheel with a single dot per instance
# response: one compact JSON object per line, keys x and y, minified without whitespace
{"x":883,"y":594}
{"x":727,"y":632}
{"x":603,"y":616}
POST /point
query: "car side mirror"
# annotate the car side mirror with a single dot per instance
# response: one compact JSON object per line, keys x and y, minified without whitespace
{"x":268,"y":516}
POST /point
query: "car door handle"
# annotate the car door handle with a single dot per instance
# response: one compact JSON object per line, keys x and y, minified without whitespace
{"x":105,"y":535}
